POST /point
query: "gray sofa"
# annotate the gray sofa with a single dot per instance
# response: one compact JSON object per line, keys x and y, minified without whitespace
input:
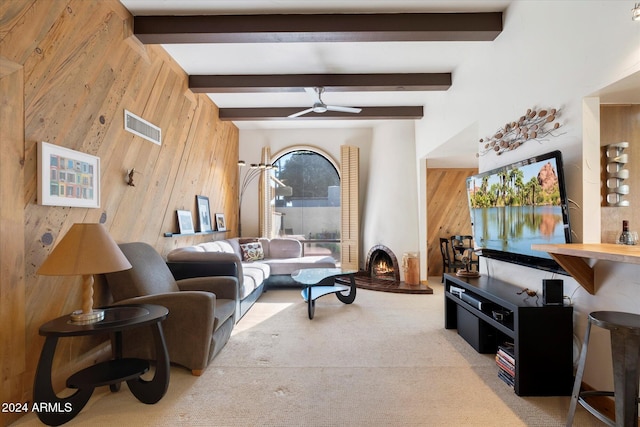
{"x":256,"y":263}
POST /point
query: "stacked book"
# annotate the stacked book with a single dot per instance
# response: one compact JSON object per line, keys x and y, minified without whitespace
{"x":506,"y":364}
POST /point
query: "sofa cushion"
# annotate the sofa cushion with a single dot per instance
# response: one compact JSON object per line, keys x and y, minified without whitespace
{"x":216,"y":246}
{"x":252,"y":251}
{"x":265,"y":246}
{"x":235,"y":245}
{"x":289,"y":265}
{"x":262,"y":269}
{"x":192,"y":253}
{"x":225,"y":308}
{"x":285,"y":248}
{"x":247,"y":287}
{"x":252,"y":278}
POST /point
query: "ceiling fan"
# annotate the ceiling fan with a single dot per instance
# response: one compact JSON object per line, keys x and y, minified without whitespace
{"x":321,"y":107}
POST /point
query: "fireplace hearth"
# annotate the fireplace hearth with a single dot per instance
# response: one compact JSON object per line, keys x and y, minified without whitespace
{"x":382,"y":273}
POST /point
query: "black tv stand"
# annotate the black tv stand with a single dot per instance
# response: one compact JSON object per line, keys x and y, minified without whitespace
{"x":489,"y":312}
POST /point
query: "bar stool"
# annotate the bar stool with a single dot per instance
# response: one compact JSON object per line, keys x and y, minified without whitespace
{"x":625,"y":351}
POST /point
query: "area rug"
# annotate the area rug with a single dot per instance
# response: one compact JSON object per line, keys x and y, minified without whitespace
{"x":384,"y":360}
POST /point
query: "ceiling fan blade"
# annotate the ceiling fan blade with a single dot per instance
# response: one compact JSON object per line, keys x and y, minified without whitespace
{"x":314,"y":93}
{"x":343,"y":109}
{"x":300,"y":113}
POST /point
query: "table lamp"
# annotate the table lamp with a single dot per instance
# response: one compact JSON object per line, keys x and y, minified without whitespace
{"x":86,"y":249}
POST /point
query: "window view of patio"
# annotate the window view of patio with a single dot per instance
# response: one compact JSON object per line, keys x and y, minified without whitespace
{"x":307,"y":201}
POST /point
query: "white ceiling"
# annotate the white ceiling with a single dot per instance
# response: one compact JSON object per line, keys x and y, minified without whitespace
{"x":307,"y":58}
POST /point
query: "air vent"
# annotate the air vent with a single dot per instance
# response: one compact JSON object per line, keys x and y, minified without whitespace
{"x":142,"y":128}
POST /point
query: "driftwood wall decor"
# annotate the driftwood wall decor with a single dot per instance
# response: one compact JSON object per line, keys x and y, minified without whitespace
{"x":534,"y":124}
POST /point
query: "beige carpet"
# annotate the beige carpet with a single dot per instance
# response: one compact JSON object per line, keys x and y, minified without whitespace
{"x":385,"y":360}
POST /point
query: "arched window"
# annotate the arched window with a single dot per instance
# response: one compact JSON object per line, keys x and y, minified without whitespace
{"x":306,"y":201}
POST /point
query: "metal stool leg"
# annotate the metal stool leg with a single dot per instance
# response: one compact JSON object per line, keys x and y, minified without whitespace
{"x":575,"y":395}
{"x":626,"y":371}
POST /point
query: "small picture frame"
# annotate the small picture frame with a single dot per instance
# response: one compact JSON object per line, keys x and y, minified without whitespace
{"x":221,"y":224}
{"x":67,"y":177}
{"x":185,"y":222}
{"x":204,"y":214}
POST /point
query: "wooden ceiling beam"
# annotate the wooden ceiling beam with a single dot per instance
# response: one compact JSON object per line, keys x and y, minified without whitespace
{"x":330,"y":82}
{"x":367,"y":113}
{"x":369,"y":27}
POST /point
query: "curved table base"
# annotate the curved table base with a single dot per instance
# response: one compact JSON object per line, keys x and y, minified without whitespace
{"x":311,"y":307}
{"x":351,"y":296}
{"x":152,"y":391}
{"x":311,"y":293}
{"x":54,"y":410}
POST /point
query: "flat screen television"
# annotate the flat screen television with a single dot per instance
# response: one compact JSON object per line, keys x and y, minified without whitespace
{"x":518,"y":205}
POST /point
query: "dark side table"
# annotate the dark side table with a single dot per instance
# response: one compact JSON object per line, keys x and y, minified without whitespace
{"x":56,"y":410}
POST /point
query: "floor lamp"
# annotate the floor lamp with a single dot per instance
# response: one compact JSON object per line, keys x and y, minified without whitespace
{"x":255,"y":169}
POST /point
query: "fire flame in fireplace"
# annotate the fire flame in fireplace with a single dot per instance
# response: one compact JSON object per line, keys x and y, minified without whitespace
{"x":382,"y":268}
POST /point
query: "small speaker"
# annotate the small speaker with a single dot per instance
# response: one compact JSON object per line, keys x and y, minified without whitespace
{"x":552,"y":292}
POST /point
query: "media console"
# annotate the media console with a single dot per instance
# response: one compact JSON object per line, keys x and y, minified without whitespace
{"x":489,"y":312}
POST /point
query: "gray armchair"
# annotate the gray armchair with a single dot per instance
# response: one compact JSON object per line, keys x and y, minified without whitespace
{"x":201,"y":310}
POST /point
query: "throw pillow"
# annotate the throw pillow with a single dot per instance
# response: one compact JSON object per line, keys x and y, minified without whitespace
{"x":252,"y":251}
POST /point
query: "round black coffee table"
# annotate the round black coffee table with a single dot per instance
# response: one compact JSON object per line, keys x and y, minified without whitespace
{"x":313,"y":281}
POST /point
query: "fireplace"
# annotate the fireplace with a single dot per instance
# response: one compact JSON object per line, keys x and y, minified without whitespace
{"x":382,"y":273}
{"x":381,"y":263}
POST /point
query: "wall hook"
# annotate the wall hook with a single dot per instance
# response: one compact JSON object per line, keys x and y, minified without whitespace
{"x":129,"y":177}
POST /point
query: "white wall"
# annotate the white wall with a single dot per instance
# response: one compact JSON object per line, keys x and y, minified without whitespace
{"x":551,"y":53}
{"x":390,"y":212}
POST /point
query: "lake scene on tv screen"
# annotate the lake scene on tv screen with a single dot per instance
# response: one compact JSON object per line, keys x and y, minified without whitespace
{"x":515,"y":208}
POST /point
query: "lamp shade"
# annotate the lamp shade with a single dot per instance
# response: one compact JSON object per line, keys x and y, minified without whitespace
{"x":86,"y":249}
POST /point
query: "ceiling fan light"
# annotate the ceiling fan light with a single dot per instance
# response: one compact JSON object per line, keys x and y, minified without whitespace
{"x":320,"y":107}
{"x":636,"y":12}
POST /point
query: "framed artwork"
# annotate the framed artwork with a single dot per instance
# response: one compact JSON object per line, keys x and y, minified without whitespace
{"x":185,"y":222}
{"x":67,"y":177}
{"x":221,"y":225}
{"x":204,"y":214}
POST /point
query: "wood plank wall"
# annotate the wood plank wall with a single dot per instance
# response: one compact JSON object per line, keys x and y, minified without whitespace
{"x":620,"y":123}
{"x":447,"y":211}
{"x":12,"y":290}
{"x":70,"y":68}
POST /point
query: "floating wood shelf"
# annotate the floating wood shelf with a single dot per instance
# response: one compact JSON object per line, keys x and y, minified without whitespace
{"x":573,"y":258}
{"x":197,"y":233}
